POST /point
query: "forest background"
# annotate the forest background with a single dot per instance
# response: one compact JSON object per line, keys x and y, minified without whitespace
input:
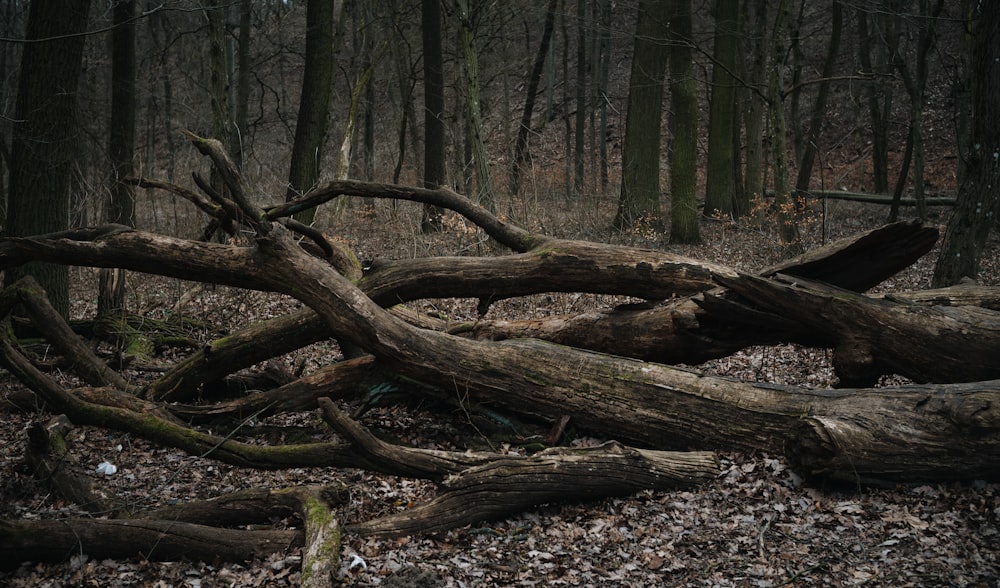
{"x":649,"y":123}
{"x":873,"y":97}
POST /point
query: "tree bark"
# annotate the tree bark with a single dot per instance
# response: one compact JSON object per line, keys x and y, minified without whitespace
{"x":485,"y":193}
{"x":720,"y":188}
{"x":120,"y":207}
{"x":640,"y":189}
{"x":57,"y":540}
{"x":951,"y":429}
{"x":43,"y":132}
{"x":314,"y":105}
{"x":684,"y":129}
{"x":504,"y":485}
{"x":816,"y":120}
{"x":430,"y":34}
{"x":978,"y":204}
{"x":521,"y":154}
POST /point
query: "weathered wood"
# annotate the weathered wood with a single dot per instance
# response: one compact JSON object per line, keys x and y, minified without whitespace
{"x":169,"y":433}
{"x":54,"y":541}
{"x":252,"y":345}
{"x":50,"y":323}
{"x":508,"y":485}
{"x":875,"y":337}
{"x":964,"y":294}
{"x":641,"y":402}
{"x":864,"y":260}
{"x":48,"y":456}
{"x":244,"y":507}
{"x":338,"y":380}
{"x":704,"y":327}
{"x":483,"y":486}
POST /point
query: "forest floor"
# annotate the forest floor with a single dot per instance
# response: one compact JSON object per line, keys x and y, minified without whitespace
{"x":757,"y":524}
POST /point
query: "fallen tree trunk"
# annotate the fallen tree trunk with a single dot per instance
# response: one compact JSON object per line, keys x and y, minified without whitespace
{"x":53,"y":541}
{"x":876,"y":337}
{"x":505,"y":485}
{"x":676,"y":331}
{"x":645,"y":403}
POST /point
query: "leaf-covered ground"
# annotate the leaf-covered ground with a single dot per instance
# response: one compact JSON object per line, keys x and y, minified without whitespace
{"x":757,"y":524}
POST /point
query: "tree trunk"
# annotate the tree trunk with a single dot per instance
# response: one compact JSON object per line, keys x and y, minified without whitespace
{"x":120,"y":207}
{"x":484,"y":179}
{"x":788,"y":228}
{"x":861,"y":435}
{"x":915,"y":83}
{"x":43,"y":133}
{"x":602,"y":86}
{"x":581,"y":98}
{"x":314,"y":104}
{"x":816,"y":120}
{"x":521,"y":154}
{"x":719,"y":187}
{"x":640,"y":192}
{"x":684,"y":128}
{"x":978,"y":204}
{"x":878,"y":92}
{"x":756,"y":109}
{"x":55,"y":540}
{"x":430,"y":27}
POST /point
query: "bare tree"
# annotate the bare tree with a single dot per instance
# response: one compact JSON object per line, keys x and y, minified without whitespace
{"x":683,"y":127}
{"x":43,"y":133}
{"x":640,"y":191}
{"x":978,"y":205}
{"x":314,"y":105}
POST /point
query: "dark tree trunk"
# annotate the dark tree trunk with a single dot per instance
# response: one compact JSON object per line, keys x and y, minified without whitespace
{"x":978,"y":204}
{"x":314,"y":104}
{"x":720,"y":187}
{"x":121,"y":148}
{"x":430,"y":20}
{"x":521,"y":147}
{"x":640,"y":190}
{"x":43,"y":134}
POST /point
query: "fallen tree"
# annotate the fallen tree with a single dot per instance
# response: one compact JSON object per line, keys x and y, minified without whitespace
{"x":942,"y":431}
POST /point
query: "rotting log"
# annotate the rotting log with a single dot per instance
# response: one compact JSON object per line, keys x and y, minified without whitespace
{"x":58,"y":540}
{"x":49,"y":458}
{"x":873,"y":337}
{"x":655,"y":404}
{"x":503,"y":485}
{"x":509,"y":485}
{"x":640,"y":402}
{"x":674,"y":331}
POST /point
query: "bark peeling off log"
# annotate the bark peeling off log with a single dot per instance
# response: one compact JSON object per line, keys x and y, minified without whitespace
{"x":952,"y":436}
{"x":507,"y":485}
{"x":852,"y":265}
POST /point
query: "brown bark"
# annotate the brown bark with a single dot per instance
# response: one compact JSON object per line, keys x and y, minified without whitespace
{"x":165,"y":432}
{"x":712,"y":325}
{"x":508,"y":485}
{"x":482,"y":487}
{"x":918,"y":432}
{"x":876,"y":337}
{"x":52,"y":326}
{"x":57,"y":540}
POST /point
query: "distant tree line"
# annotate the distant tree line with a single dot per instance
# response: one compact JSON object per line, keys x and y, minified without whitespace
{"x":588,"y":98}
